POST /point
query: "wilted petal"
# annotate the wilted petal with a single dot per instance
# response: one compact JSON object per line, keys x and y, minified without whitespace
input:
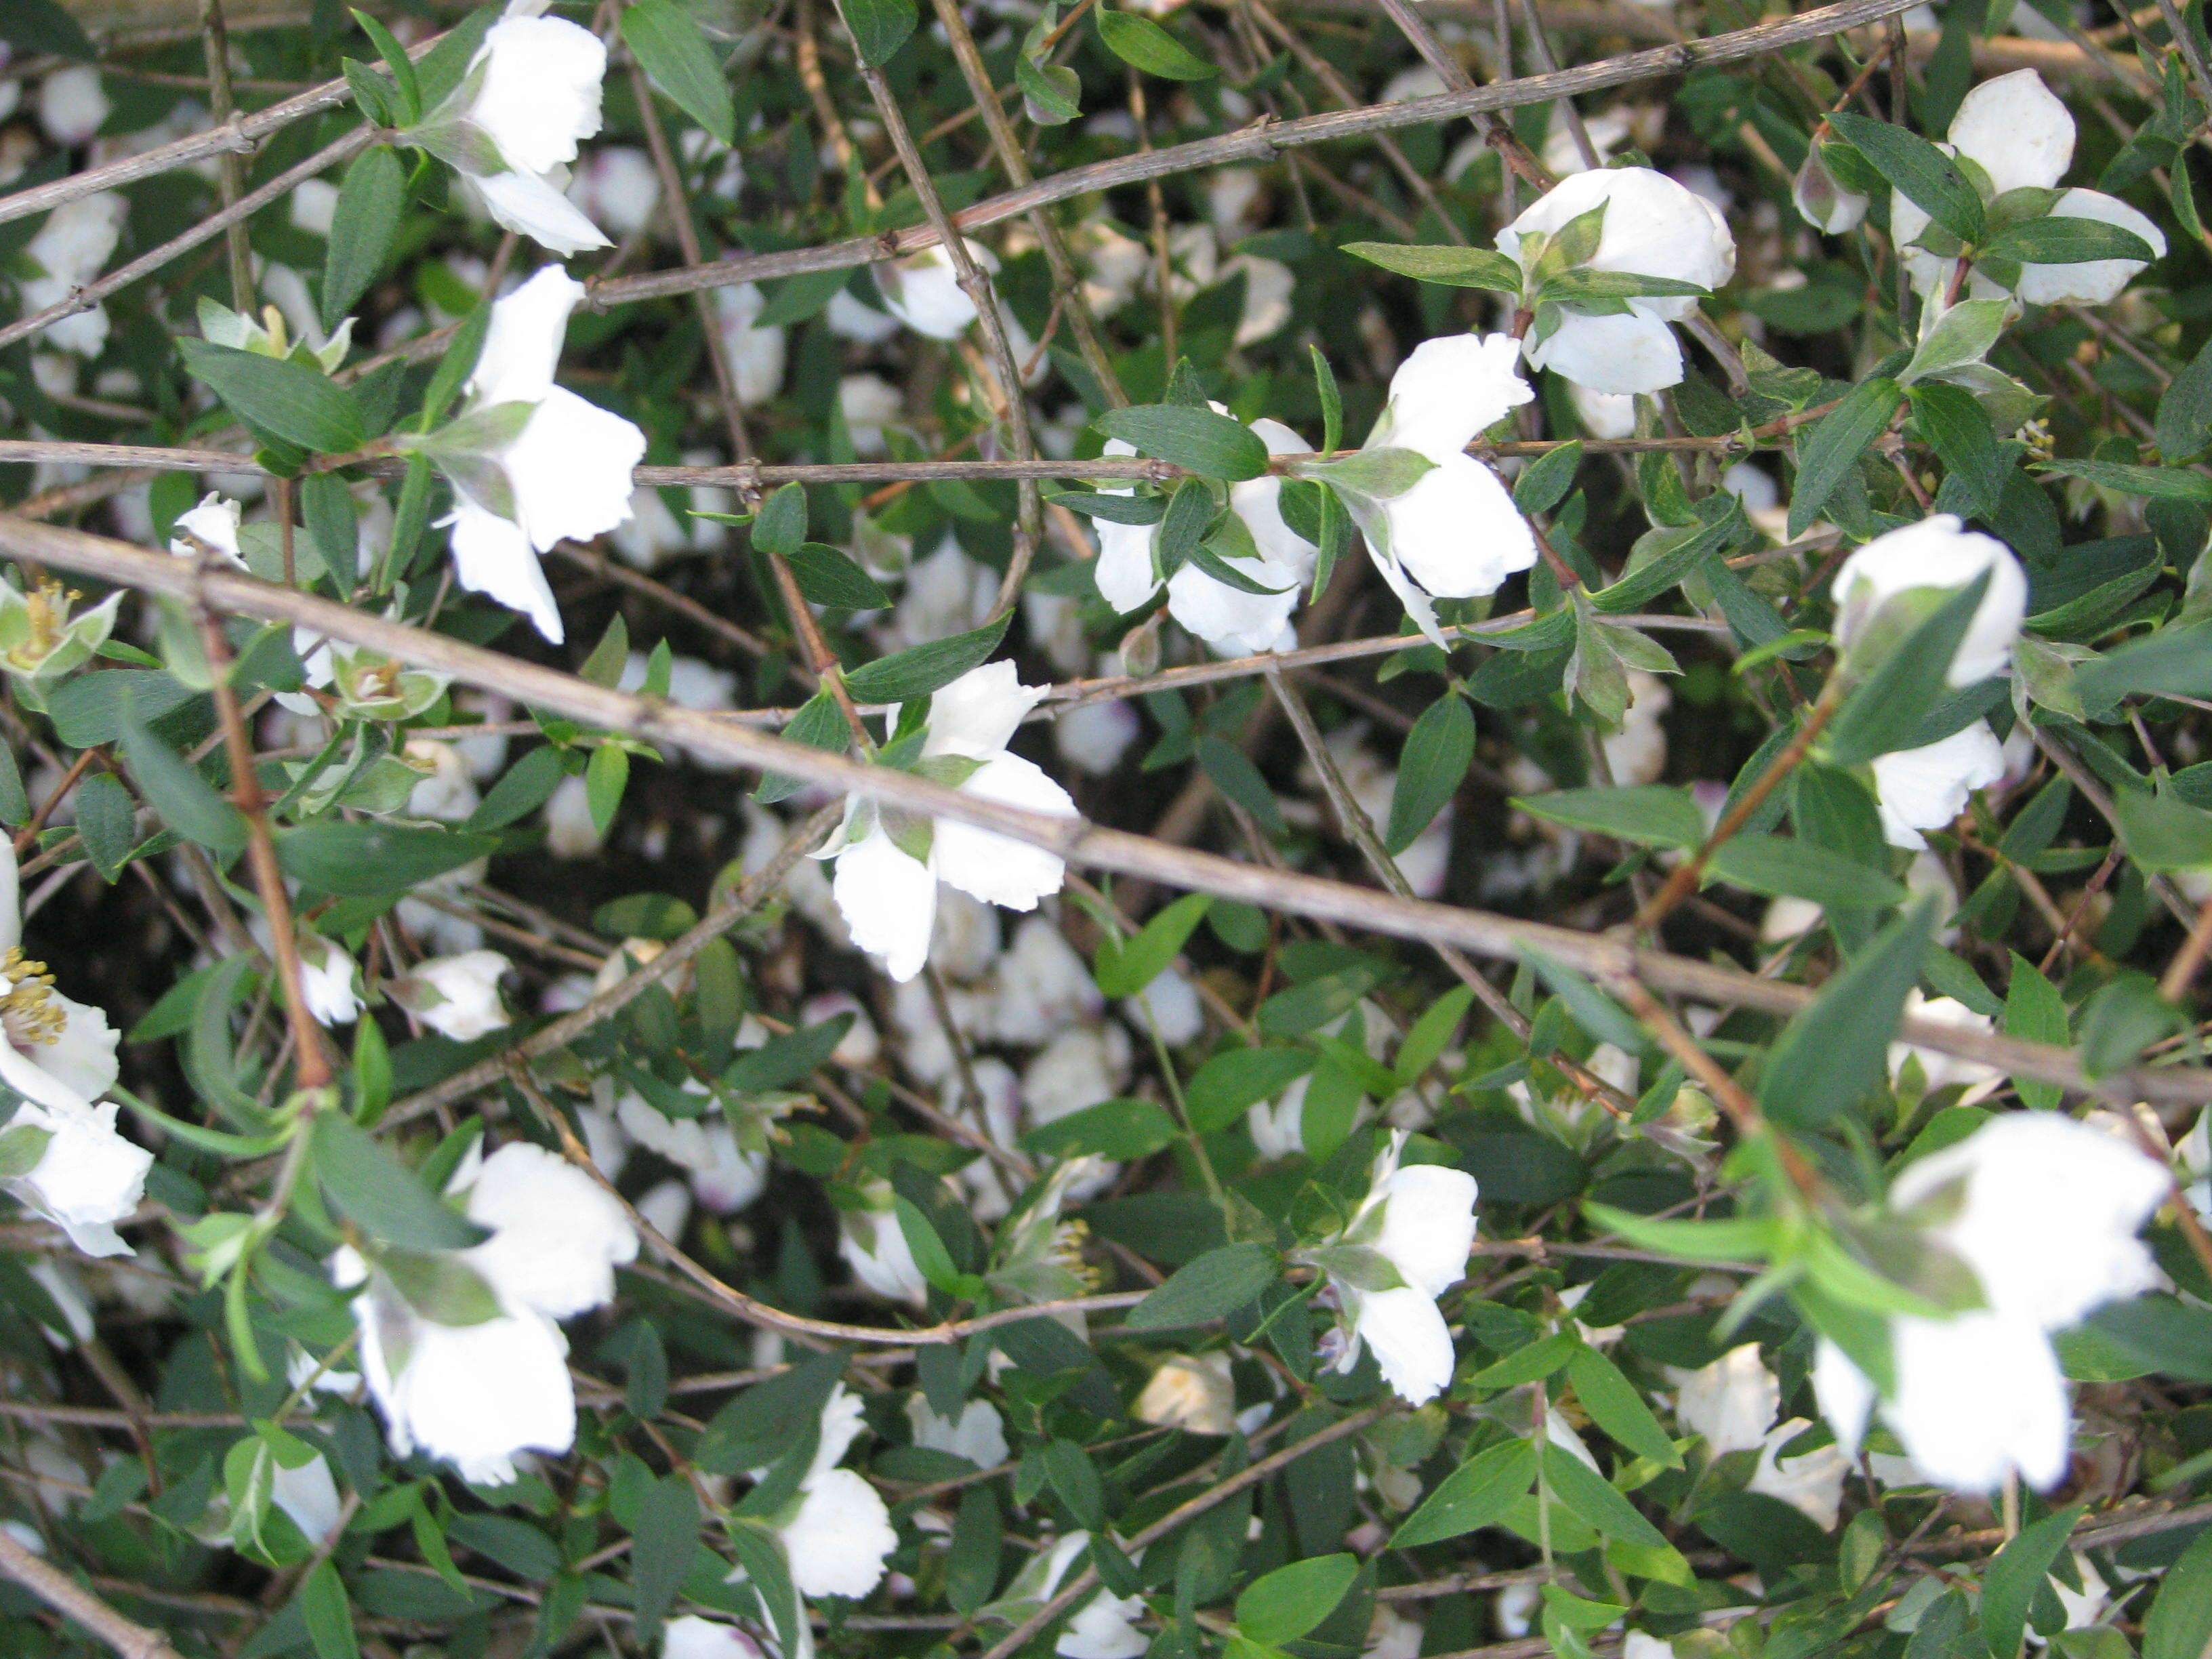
{"x":995,"y":867}
{"x":2016,"y":130}
{"x":888,"y":901}
{"x":1625,"y":353}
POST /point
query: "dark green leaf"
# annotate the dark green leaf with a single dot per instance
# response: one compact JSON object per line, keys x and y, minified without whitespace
{"x":781,"y":1061}
{"x":922,"y":669}
{"x":362,"y":226}
{"x":327,"y":1613}
{"x":1125,"y":968}
{"x":1647,"y":815}
{"x":1912,"y":164}
{"x":1213,"y":445}
{"x":1479,"y":1493}
{"x":1142,"y":44}
{"x":1119,"y":1129}
{"x":2009,"y":1586}
{"x":36,"y":26}
{"x":526,"y":786}
{"x":280,"y":397}
{"x":2066,"y":241}
{"x":1887,"y":711}
{"x":1832,"y":447}
{"x":2184,"y":409}
{"x":1237,"y":1077}
{"x":1953,"y":423}
{"x":1233,"y":774}
{"x":879,"y":27}
{"x":1776,"y":866}
{"x":671,"y":49}
{"x":1430,"y":767}
{"x":1455,"y":267}
{"x":2180,"y":1624}
{"x":1833,"y":1054}
{"x":375,"y":861}
{"x":370,"y":1186}
{"x":1288,"y":1602}
{"x":106,"y":823}
{"x":1217,"y":1283}
{"x":819,"y":724}
{"x":181,"y":796}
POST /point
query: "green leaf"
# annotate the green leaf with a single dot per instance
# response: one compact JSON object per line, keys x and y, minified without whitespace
{"x":1548,"y":479}
{"x":2180,"y":1624}
{"x":1739,"y":1238}
{"x":671,"y":49}
{"x":2158,"y":484}
{"x":375,"y":861}
{"x":1477,"y":1494}
{"x":36,"y":26}
{"x":781,"y":1061}
{"x":1615,"y":1407}
{"x":1952,"y":421}
{"x":279,"y":397}
{"x":362,"y":227}
{"x":1455,"y":267}
{"x":526,"y":786}
{"x":2009,"y":1586}
{"x":819,"y":724}
{"x":781,"y":528}
{"x":1217,"y":1283}
{"x":181,"y":796}
{"x":1833,"y":1054}
{"x":1590,"y":1499}
{"x":922,"y":669}
{"x":15,"y":804}
{"x":1915,"y":167}
{"x":106,"y":823}
{"x":1142,"y":44}
{"x":1074,"y":1479}
{"x":1213,"y":445}
{"x":1431,"y":767}
{"x":1124,"y":1130}
{"x":2035,"y":1013}
{"x":1115,"y":509}
{"x":1590,"y":1007}
{"x":2066,"y":241}
{"x":370,"y":1186}
{"x":327,"y":1613}
{"x":2184,"y":409}
{"x":405,"y":78}
{"x":1776,"y":865}
{"x":1646,"y":815}
{"x":1234,"y":774}
{"x":664,"y":1546}
{"x":1190,"y":509}
{"x":879,"y":27}
{"x":1886,"y":711}
{"x":1123,"y":968}
{"x":2174,"y":659}
{"x":1962,"y":334}
{"x":1290,"y":1601}
{"x":1832,"y":447}
{"x":1221,"y":1090}
{"x":2162,"y":831}
{"x":605,"y":776}
{"x":826,"y":576}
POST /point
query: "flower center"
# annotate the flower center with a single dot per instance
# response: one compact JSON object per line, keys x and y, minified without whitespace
{"x":28,"y":1013}
{"x":47,"y":609}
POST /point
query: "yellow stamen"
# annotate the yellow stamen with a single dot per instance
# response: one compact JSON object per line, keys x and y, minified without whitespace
{"x":28,"y":1013}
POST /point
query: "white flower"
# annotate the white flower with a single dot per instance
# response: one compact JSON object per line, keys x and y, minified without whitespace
{"x":725,"y":1177}
{"x":1419,"y":1218}
{"x":2044,"y":1210}
{"x":888,"y":865}
{"x":511,"y":127}
{"x":1921,"y":566}
{"x":59,"y":1055}
{"x":330,"y":979}
{"x":694,"y":1637}
{"x":1233,"y":623}
{"x":457,"y":996}
{"x":1103,"y":1627}
{"x":1811,"y":1483}
{"x":1731,"y":1402}
{"x":493,"y":1382}
{"x":841,"y":1533}
{"x":1941,"y":1070}
{"x":531,"y":462}
{"x":756,"y":355}
{"x":2022,"y":138}
{"x":874,"y":1247}
{"x":71,"y":248}
{"x":214,"y":521}
{"x":978,"y":1434}
{"x":1191,"y":1392}
{"x":1925,"y":788}
{"x":923,"y":291}
{"x":72,"y":106}
{"x":1455,"y":534}
{"x":1653,"y":227}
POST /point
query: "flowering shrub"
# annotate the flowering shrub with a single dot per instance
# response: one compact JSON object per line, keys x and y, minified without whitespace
{"x":731,"y":928}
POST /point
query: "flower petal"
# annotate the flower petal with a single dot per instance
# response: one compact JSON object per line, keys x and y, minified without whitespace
{"x":1457,"y":532}
{"x":977,"y":713}
{"x":2092,"y":281}
{"x":1428,"y":1225}
{"x":532,"y":205}
{"x":2016,"y":130}
{"x":888,"y":901}
{"x":1448,"y":390}
{"x":993,"y":867}
{"x":540,"y":92}
{"x":1412,"y":1343}
{"x":1625,"y":353}
{"x":570,"y":469}
{"x":522,"y":345}
{"x":1925,"y":788}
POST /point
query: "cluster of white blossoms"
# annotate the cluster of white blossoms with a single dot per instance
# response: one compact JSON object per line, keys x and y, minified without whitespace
{"x":462,"y":1350}
{"x":2042,"y":1213}
{"x":1897,"y":579}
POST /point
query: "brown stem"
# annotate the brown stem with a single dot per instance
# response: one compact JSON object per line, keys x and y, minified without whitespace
{"x":311,"y":1064}
{"x":66,"y":1596}
{"x":1683,"y":878}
